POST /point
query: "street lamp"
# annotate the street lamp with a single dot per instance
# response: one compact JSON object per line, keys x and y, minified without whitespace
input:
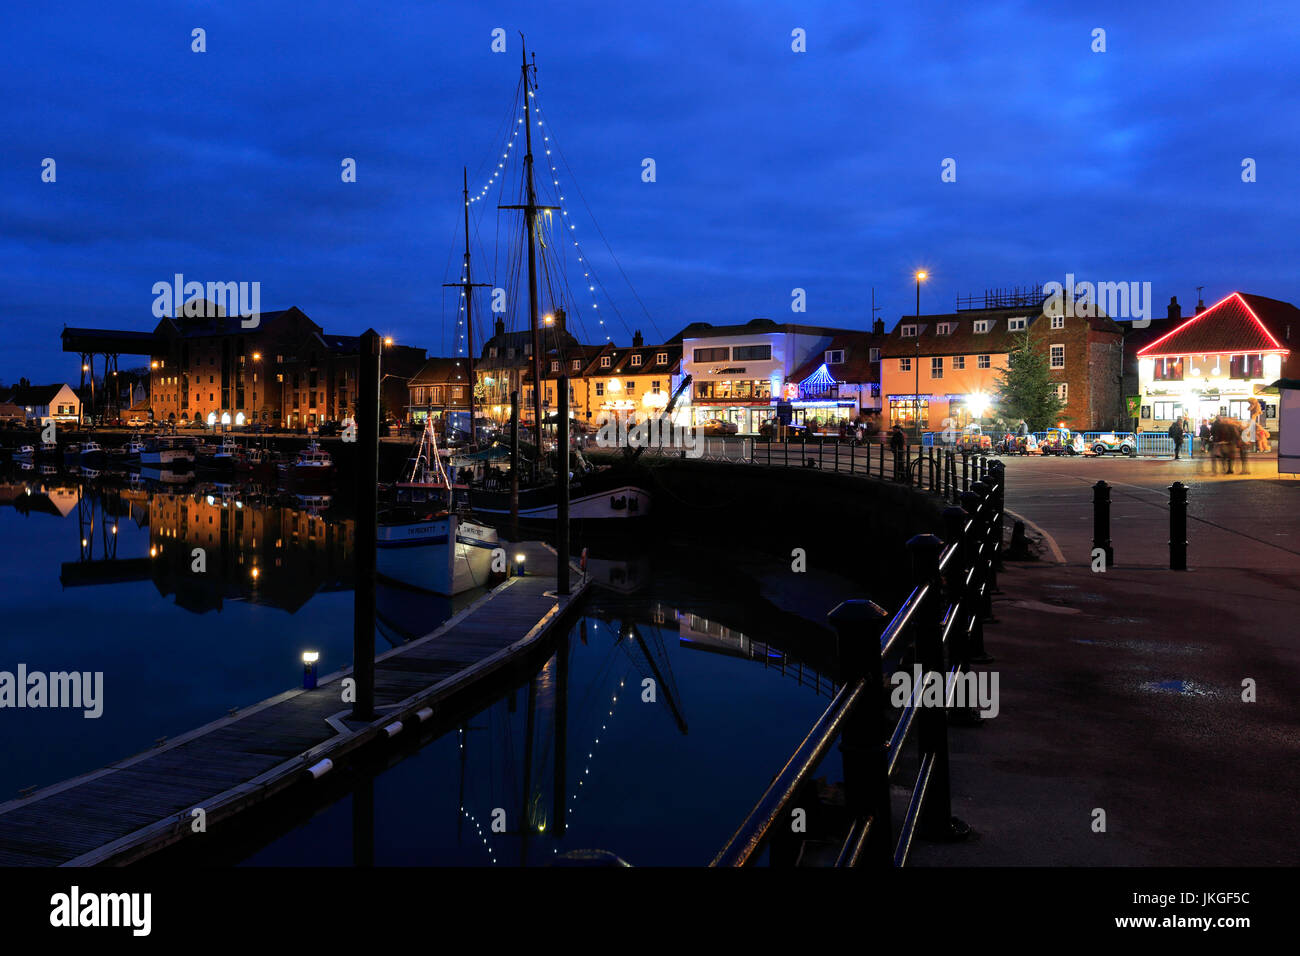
{"x":916,"y":368}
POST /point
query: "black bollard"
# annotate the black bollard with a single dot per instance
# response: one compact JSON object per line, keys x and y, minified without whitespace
{"x":1018,"y":550}
{"x":1101,"y":522}
{"x":864,"y":743}
{"x":1178,"y":526}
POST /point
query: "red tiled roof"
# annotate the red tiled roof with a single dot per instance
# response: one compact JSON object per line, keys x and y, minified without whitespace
{"x":1238,"y":323}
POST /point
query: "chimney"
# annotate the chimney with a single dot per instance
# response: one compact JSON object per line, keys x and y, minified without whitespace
{"x":559,"y":321}
{"x":1175,"y":310}
{"x":1200,"y":303}
{"x":878,"y":327}
{"x":637,"y":340}
{"x":500,"y":327}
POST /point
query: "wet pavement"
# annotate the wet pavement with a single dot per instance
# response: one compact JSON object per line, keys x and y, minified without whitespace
{"x":1122,"y":691}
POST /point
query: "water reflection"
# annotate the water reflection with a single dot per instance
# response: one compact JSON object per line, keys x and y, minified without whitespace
{"x":645,"y":736}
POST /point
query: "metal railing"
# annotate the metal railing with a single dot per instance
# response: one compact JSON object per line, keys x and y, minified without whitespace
{"x":942,"y":621}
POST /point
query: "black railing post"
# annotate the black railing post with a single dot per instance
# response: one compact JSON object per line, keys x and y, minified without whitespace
{"x":1101,"y":522}
{"x":936,"y":819}
{"x":998,"y":481}
{"x":979,"y":595}
{"x":1178,"y":526}
{"x":965,"y":472}
{"x":882,"y":461}
{"x":988,"y":547}
{"x":853,"y":468}
{"x":837,"y":458}
{"x":864,"y":743}
{"x":955,"y":577}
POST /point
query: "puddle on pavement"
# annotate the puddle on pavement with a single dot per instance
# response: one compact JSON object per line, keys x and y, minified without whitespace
{"x":1185,"y":687}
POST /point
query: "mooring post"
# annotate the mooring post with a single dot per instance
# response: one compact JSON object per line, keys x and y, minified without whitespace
{"x":1101,"y":522}
{"x":936,"y":821}
{"x":514,"y":466}
{"x":562,"y":486}
{"x":363,"y":594}
{"x":1178,"y":526}
{"x":858,"y":625}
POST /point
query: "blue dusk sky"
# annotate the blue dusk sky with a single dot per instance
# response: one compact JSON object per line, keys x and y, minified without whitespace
{"x":774,"y":169}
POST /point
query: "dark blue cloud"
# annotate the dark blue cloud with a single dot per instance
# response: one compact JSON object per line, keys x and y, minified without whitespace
{"x":775,"y":170}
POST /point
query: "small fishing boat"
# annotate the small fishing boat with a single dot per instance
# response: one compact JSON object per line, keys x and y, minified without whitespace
{"x":256,"y":462}
{"x":313,"y":464}
{"x":25,"y":453}
{"x":169,"y":452}
{"x":433,"y":550}
{"x":92,"y":453}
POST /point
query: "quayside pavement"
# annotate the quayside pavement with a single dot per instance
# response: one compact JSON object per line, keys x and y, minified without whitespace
{"x":1122,"y":691}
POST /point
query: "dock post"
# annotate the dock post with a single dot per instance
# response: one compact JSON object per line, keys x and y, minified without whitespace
{"x":562,"y":486}
{"x":864,"y":746}
{"x":514,"y":466}
{"x":363,"y":595}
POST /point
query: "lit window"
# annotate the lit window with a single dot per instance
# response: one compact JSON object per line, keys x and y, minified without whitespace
{"x":555,"y":366}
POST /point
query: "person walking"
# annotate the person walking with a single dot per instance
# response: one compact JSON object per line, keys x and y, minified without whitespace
{"x":1205,"y":436}
{"x":1176,"y":433}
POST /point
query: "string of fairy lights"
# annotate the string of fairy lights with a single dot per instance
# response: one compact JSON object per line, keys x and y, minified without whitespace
{"x":495,"y":179}
{"x":591,"y":754}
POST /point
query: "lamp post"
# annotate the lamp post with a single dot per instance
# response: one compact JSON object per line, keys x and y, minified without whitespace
{"x":257,"y":358}
{"x":916,"y":369}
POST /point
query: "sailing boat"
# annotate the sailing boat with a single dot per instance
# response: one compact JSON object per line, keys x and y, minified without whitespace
{"x":597,"y":494}
{"x":433,"y":550}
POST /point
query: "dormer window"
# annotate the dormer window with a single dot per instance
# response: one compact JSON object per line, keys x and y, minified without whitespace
{"x":1017,"y":325}
{"x":945,"y":328}
{"x":492,"y":352}
{"x":661,"y":358}
{"x":604,"y":361}
{"x":555,"y":366}
{"x":834,"y":356}
{"x":983,"y":325}
{"x":874,"y":355}
{"x":576,"y":364}
{"x":909,"y":332}
{"x":636,"y":359}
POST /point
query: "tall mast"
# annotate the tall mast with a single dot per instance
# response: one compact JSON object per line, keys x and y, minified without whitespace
{"x":467,"y":289}
{"x":530,"y":220}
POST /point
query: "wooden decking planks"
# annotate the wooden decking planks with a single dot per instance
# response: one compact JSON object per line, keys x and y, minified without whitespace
{"x":142,"y":802}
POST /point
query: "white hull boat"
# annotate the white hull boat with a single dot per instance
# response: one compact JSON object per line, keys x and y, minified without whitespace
{"x":444,"y":554}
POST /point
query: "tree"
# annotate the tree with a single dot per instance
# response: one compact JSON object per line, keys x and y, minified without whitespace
{"x":1025,"y":387}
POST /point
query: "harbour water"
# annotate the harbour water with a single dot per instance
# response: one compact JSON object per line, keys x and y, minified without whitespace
{"x":655,"y":722}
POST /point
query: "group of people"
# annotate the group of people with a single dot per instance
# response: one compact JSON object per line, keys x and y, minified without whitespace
{"x":1223,"y":437}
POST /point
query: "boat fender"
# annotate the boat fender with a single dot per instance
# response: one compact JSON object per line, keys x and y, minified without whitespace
{"x":319,"y":770}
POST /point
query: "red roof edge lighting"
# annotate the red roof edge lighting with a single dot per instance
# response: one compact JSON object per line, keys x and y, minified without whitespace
{"x":1146,"y":351}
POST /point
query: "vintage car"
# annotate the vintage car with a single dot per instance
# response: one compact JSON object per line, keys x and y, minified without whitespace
{"x":1061,"y":441}
{"x":1122,"y":443}
{"x":716,"y":426}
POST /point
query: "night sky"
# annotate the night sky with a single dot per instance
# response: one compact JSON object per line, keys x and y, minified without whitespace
{"x":775,"y":169}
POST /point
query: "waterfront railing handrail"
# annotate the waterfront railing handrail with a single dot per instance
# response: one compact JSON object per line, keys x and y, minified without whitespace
{"x":957,"y":582}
